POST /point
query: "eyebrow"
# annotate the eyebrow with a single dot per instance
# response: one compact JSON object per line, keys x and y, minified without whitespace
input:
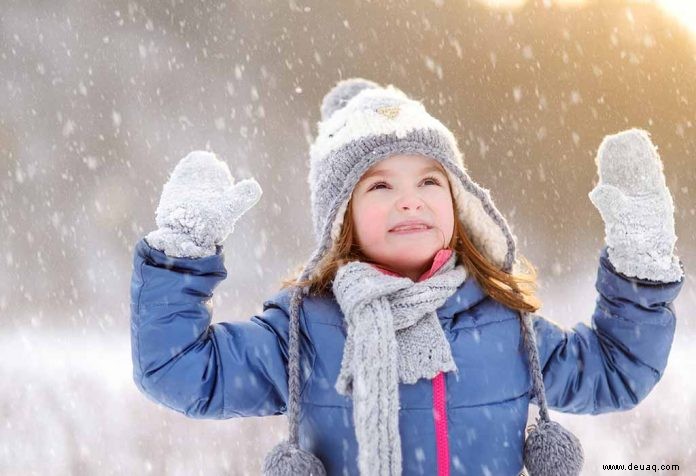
{"x":429,"y":168}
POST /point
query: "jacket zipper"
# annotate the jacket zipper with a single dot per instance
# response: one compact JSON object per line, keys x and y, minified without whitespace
{"x":440,"y":417}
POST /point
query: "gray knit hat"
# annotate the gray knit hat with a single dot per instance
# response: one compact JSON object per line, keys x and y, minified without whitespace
{"x":361,"y":124}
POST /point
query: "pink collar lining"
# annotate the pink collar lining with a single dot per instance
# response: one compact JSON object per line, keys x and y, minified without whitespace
{"x":440,"y":258}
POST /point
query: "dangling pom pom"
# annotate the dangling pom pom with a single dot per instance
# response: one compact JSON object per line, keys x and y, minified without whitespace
{"x":550,"y":450}
{"x":287,"y":459}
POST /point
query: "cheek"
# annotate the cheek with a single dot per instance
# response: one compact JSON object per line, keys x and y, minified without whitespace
{"x":370,"y":220}
{"x":445,"y":212}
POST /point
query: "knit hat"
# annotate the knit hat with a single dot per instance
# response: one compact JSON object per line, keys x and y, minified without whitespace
{"x":361,"y":124}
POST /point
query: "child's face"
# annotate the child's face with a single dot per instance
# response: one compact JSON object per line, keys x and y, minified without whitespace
{"x":403,"y":187}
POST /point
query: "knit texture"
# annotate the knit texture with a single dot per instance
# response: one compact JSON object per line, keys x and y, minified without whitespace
{"x":199,"y":206}
{"x":393,"y":335}
{"x":549,"y":449}
{"x":637,"y":207}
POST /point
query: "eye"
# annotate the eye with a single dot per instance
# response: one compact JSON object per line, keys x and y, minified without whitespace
{"x":375,"y":185}
{"x":433,"y":179}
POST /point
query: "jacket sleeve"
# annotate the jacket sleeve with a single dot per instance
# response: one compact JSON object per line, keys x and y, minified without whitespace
{"x":180,"y":360}
{"x":615,"y":363}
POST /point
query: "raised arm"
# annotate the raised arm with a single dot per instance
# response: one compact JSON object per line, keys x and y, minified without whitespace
{"x":203,"y":370}
{"x":613,"y":364}
{"x":221,"y":370}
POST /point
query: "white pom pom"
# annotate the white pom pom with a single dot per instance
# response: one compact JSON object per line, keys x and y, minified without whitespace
{"x":343,"y":92}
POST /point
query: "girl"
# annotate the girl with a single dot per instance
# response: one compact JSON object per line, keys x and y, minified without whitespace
{"x":408,"y":343}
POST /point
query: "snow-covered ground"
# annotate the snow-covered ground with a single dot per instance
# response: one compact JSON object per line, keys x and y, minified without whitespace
{"x":69,"y":406}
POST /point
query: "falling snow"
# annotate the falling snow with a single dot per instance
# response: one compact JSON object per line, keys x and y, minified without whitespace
{"x":101,"y":100}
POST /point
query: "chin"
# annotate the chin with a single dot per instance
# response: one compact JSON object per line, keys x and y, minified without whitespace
{"x":418,"y":252}
{"x":414,"y":260}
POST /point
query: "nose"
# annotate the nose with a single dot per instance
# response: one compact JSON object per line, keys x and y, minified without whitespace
{"x":410,"y":202}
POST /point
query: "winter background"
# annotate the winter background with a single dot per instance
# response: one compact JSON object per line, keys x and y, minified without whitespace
{"x":101,"y":99}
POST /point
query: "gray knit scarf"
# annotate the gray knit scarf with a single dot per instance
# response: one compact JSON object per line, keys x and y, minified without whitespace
{"x":393,"y":335}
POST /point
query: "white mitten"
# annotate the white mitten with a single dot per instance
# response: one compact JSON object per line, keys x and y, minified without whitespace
{"x":199,"y":206}
{"x":637,"y":207}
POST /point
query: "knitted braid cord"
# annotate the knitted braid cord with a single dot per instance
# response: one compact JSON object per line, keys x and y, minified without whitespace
{"x":549,"y":448}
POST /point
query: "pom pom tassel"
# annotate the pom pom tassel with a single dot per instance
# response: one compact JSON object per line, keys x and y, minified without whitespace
{"x":549,"y":449}
{"x":287,"y":459}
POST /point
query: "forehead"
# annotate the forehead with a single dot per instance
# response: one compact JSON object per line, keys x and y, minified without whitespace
{"x":398,"y":164}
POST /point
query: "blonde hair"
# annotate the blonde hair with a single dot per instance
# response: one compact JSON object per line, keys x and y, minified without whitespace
{"x":515,"y":290}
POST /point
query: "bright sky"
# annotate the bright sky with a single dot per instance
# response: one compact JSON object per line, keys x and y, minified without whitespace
{"x":683,"y":10}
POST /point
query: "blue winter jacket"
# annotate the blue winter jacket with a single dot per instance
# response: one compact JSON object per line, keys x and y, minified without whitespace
{"x":239,"y":369}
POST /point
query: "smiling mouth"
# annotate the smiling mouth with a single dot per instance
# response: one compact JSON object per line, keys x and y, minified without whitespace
{"x":403,"y":230}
